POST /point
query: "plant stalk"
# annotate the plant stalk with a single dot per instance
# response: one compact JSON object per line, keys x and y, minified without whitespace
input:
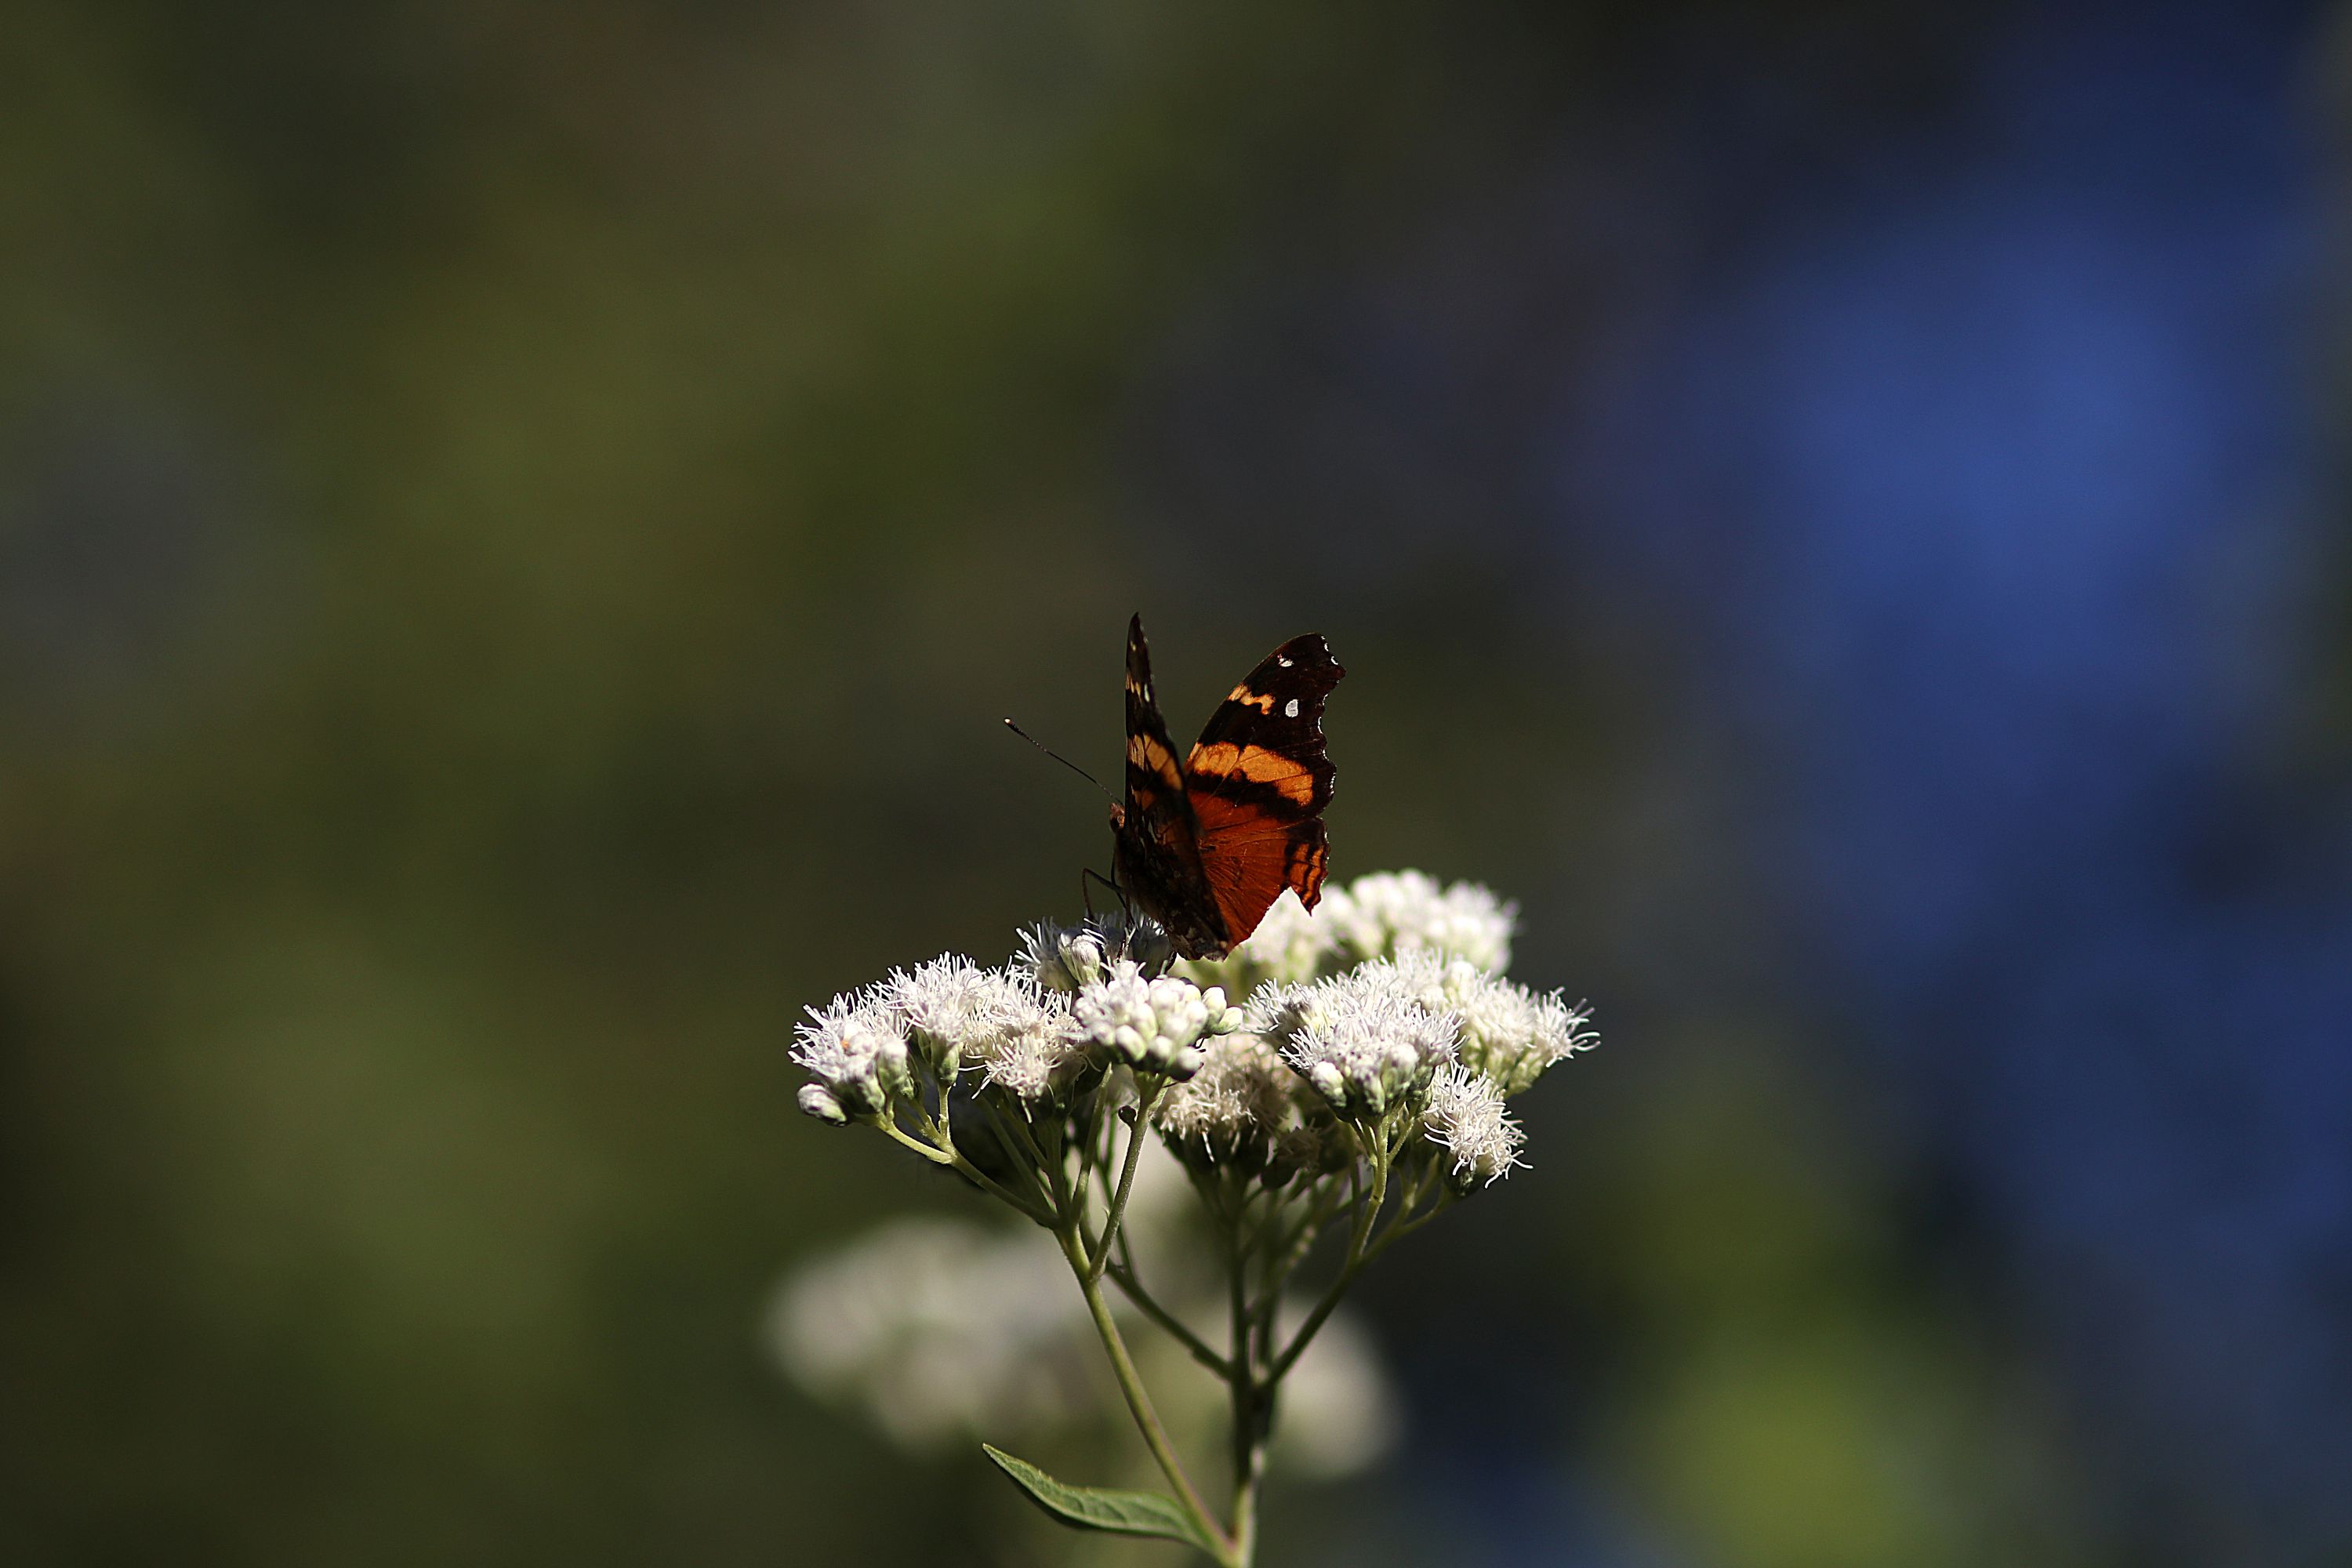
{"x":1138,"y":1402}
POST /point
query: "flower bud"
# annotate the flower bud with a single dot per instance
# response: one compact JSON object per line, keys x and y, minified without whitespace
{"x":893,"y":1069}
{"x":817,"y":1101}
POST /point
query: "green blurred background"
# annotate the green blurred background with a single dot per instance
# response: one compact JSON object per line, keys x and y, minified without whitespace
{"x":517,"y":524}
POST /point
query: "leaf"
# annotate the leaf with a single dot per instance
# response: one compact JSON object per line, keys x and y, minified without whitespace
{"x":1100,"y":1507}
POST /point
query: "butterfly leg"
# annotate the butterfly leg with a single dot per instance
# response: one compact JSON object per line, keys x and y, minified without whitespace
{"x":1088,"y":877}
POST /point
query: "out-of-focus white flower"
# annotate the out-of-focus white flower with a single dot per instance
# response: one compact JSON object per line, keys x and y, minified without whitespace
{"x":1234,"y":1109}
{"x":1466,"y":1115}
{"x":1385,"y":914}
{"x":938,"y":1329}
{"x":1152,"y":1023}
{"x":856,"y":1050}
{"x":1363,"y":1039}
{"x":1338,"y":1409}
{"x":942,"y":1330}
{"x":1290,"y":942}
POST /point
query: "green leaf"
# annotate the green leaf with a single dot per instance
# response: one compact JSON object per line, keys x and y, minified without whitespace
{"x":1099,"y":1508}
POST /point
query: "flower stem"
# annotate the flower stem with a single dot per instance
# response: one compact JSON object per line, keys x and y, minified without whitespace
{"x":1123,"y":1276}
{"x":1149,"y":1091}
{"x":1366,"y":1215}
{"x":1249,"y":1429}
{"x":1138,"y":1402}
{"x":979,"y":1178}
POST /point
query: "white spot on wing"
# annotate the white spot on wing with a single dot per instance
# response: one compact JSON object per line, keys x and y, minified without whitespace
{"x":1290,"y":708}
{"x":1284,"y":662}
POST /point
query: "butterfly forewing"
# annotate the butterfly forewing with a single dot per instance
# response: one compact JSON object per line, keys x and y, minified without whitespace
{"x":1259,"y":778}
{"x":1154,"y":839}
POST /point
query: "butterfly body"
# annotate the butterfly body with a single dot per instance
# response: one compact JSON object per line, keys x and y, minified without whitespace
{"x":1206,"y":844}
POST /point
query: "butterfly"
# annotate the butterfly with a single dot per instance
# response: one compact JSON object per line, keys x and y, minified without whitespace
{"x":1206,"y":846}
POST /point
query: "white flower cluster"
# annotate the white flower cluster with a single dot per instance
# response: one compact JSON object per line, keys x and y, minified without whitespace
{"x":1067,"y":958}
{"x":1151,"y":1024}
{"x":856,"y":1054}
{"x":1240,"y":1108}
{"x":1290,"y":946}
{"x":960,"y":1014}
{"x":1387,"y":999}
{"x":1465,"y":1116}
{"x":1363,"y":1039}
{"x":1506,"y":1032}
{"x":1389,"y":913}
{"x":936,"y":1328}
{"x":1073,"y":999}
{"x":1417,"y":1028}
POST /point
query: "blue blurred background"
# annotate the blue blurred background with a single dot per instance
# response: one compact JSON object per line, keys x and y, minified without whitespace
{"x":518,"y":524}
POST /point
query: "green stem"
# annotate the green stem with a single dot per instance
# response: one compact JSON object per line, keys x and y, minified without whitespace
{"x":1011,"y":1129}
{"x":1249,"y":1444}
{"x":1123,"y":1276}
{"x":1088,"y":1157}
{"x":1148,"y":1091}
{"x":979,"y":1178}
{"x":936,"y":1156}
{"x":1367,"y":1213}
{"x":1296,"y":1243}
{"x":1138,"y":1402}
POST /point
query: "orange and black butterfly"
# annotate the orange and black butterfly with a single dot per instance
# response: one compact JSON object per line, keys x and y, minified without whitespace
{"x":1206,"y":846}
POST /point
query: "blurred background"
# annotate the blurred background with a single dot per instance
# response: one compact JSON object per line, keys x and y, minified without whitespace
{"x":517,"y":524}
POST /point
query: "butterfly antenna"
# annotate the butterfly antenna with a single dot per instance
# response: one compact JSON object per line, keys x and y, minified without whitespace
{"x":1059,"y":758}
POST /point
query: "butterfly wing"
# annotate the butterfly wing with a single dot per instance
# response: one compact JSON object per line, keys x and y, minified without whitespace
{"x":1156,"y":848}
{"x":1258,"y":780}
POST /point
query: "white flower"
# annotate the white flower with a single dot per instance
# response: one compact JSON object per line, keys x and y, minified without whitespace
{"x":1234,"y":1108}
{"x":1036,"y":1058}
{"x":1466,"y":1115}
{"x":1060,"y":957}
{"x":1393,"y":913}
{"x":1510,"y":1033}
{"x":1338,"y":1411}
{"x":1289,"y":942}
{"x":958,"y":1013}
{"x":856,"y":1050}
{"x":1515,"y":1036}
{"x":1151,"y":1024}
{"x":1363,"y":1039}
{"x":938,"y":1329}
{"x":1066,"y":958}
